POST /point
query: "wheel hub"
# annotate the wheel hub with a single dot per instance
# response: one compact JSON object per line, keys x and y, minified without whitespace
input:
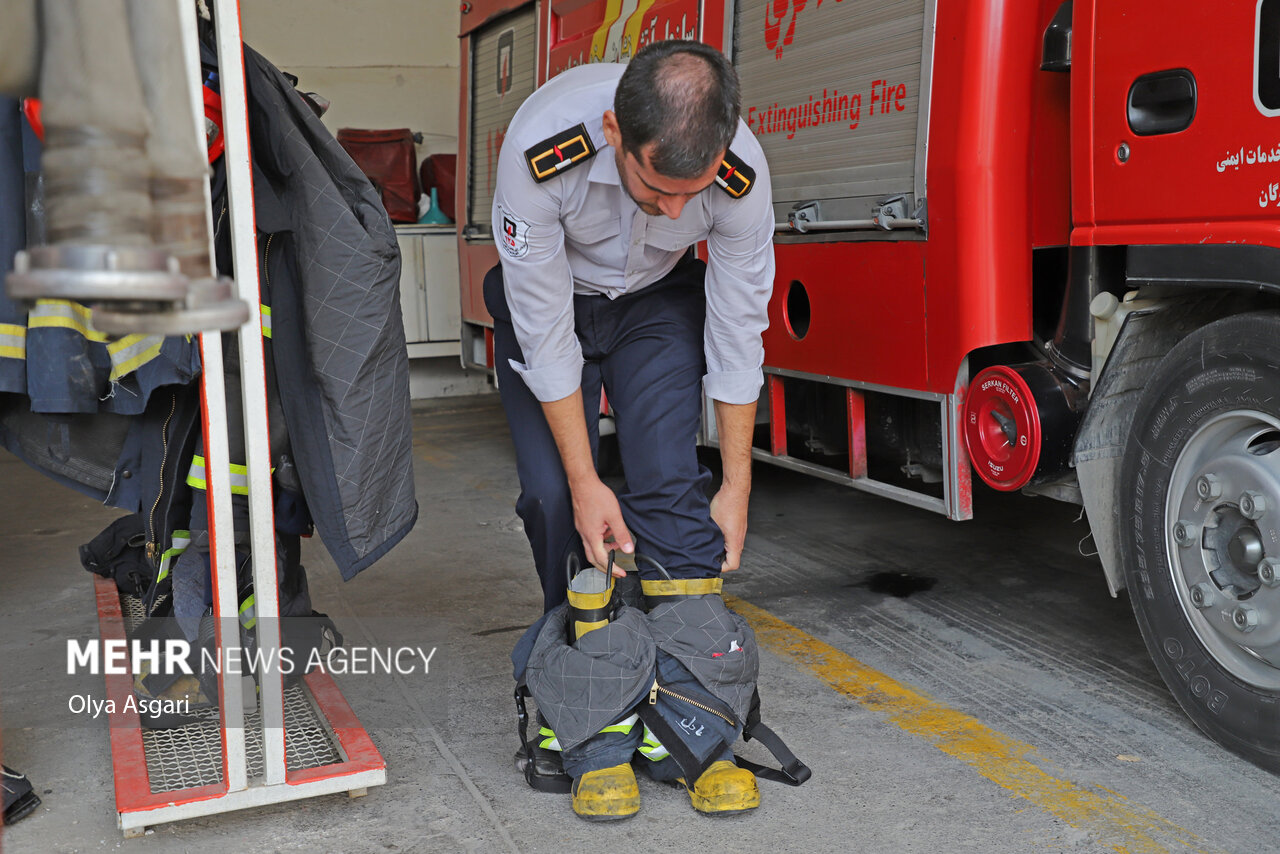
{"x":1233,"y":549}
{"x":1222,"y":528}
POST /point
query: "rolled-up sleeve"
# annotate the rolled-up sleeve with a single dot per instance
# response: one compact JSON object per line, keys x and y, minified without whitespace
{"x":537,"y":279}
{"x":739,"y":283}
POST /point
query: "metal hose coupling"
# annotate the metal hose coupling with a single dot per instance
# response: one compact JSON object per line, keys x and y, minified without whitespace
{"x":125,"y":173}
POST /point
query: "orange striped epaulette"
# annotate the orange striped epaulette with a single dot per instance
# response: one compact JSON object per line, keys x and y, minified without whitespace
{"x":559,"y":153}
{"x":735,"y":177}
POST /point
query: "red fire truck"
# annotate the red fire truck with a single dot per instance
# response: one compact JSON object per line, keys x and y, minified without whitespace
{"x":1024,"y":238}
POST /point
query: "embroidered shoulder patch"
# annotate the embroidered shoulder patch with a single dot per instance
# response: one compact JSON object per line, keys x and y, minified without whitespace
{"x":514,"y":238}
{"x":555,"y":154}
{"x":735,"y":177}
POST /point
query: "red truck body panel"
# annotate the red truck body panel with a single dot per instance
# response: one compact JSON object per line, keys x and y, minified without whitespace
{"x":894,"y":312}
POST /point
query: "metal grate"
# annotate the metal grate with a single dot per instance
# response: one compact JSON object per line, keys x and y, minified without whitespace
{"x":190,"y":756}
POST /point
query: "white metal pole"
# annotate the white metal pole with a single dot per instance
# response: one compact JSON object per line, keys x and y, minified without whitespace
{"x":236,"y":154}
{"x":253,"y":387}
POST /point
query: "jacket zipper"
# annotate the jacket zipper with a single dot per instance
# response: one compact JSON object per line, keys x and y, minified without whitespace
{"x":217,"y":228}
{"x":153,"y":544}
{"x":266,"y":258}
{"x":653,"y":700}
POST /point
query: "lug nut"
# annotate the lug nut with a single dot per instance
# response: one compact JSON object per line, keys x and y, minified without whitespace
{"x":1185,"y":533}
{"x":1244,"y":618}
{"x":1208,"y":487}
{"x":1269,"y":571}
{"x":1252,"y":504}
{"x":1203,"y":595}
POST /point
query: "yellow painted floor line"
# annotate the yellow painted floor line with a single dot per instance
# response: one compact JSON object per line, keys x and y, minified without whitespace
{"x":1111,"y":819}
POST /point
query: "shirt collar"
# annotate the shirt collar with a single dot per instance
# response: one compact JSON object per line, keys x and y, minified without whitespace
{"x":604,"y":167}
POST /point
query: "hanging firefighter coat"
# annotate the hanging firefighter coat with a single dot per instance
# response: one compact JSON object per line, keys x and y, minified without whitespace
{"x":336,"y":328}
{"x":329,"y":272}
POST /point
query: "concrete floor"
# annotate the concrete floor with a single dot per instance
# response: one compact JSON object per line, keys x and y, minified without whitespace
{"x":1010,"y":707}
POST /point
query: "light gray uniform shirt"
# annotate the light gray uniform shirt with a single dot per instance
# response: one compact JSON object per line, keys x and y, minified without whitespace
{"x":580,"y":233}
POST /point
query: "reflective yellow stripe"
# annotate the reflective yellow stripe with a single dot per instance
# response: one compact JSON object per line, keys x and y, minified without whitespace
{"x":64,"y":314}
{"x":239,"y":476}
{"x":266,"y":320}
{"x":127,"y":354}
{"x":624,"y":725}
{"x":132,"y":352}
{"x":13,"y":341}
{"x":180,"y":540}
{"x":549,"y":740}
{"x":651,"y":748}
{"x":195,"y":476}
{"x":248,"y":614}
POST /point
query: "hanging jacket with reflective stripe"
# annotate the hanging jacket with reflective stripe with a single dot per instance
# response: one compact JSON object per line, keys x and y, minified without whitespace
{"x":70,"y":367}
{"x":122,"y":409}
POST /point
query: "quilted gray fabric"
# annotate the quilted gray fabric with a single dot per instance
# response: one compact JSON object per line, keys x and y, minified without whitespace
{"x":582,"y":690}
{"x":347,"y":401}
{"x":713,"y":643}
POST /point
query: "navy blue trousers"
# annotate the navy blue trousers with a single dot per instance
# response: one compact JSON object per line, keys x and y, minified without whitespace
{"x":645,"y":348}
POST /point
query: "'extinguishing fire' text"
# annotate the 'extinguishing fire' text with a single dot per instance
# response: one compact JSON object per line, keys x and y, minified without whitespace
{"x":831,"y":107}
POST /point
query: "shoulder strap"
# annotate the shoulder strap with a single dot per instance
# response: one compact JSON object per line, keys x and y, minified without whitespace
{"x":793,"y":773}
{"x":559,"y":153}
{"x":735,"y":177}
{"x":558,"y":785}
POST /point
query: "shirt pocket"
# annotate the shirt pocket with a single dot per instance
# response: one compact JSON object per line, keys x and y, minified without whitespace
{"x":673,"y":236}
{"x":587,"y":231}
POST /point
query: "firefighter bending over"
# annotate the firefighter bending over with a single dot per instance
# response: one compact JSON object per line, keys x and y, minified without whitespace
{"x":607,"y":176}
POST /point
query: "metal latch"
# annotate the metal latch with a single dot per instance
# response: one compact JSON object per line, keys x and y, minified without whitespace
{"x":892,"y":208}
{"x":889,"y":214}
{"x":893,"y":214}
{"x":802,"y":215}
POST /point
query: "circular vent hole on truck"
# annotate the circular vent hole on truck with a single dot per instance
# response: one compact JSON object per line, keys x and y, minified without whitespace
{"x":797,"y":312}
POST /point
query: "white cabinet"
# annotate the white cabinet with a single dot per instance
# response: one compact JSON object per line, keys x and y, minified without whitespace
{"x":429,"y":289}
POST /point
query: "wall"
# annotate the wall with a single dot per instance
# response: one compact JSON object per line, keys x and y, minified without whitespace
{"x":382,"y":63}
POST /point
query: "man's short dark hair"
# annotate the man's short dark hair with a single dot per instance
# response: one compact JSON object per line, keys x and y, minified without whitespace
{"x":683,"y":96}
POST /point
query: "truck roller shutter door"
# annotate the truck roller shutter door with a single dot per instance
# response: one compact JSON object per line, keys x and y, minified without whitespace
{"x":833,"y":93}
{"x":503,"y":65}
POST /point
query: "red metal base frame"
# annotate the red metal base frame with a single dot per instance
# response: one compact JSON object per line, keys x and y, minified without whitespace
{"x":133,"y":788}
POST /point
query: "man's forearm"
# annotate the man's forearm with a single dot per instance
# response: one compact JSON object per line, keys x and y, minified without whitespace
{"x":596,"y":513}
{"x":569,"y":427}
{"x":735,"y":424}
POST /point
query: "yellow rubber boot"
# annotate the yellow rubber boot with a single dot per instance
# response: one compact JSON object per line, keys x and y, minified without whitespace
{"x":724,"y":789}
{"x":607,"y":794}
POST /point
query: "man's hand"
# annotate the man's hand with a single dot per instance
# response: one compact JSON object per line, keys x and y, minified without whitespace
{"x":598,"y":518}
{"x":729,"y":511}
{"x":734,"y":423}
{"x":596,"y":513}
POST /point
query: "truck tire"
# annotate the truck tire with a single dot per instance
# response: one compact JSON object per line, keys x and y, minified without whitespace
{"x":1200,"y":529}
